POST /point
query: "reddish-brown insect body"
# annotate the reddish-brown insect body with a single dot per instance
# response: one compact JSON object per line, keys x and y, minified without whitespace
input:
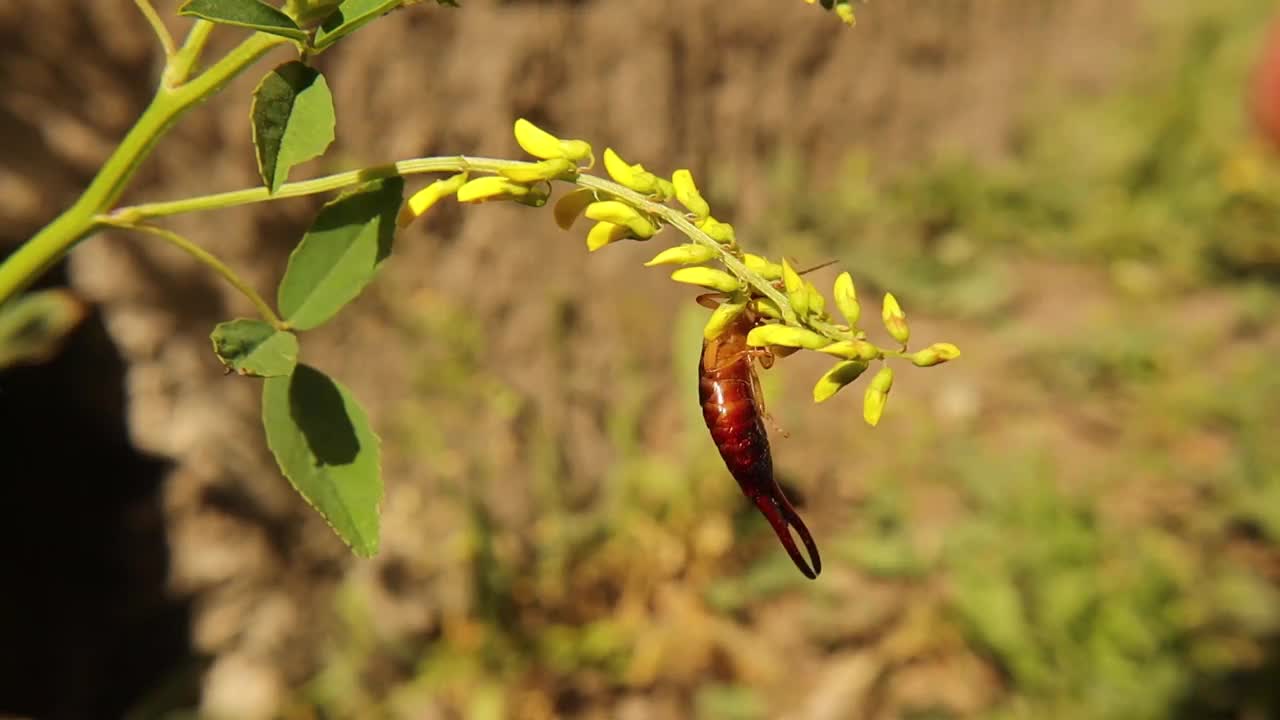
{"x":729,"y":392}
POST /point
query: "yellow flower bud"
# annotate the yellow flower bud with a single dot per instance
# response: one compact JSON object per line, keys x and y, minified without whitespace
{"x":631,"y":176}
{"x":423,"y":200}
{"x":817,"y":303}
{"x":838,"y":376}
{"x":570,"y":206}
{"x":491,"y":187}
{"x":603,"y":233}
{"x":537,"y":142}
{"x":718,"y":231}
{"x":578,"y":151}
{"x":767,"y":308}
{"x":877,"y":394}
{"x":665,"y":190}
{"x":762,"y":267}
{"x":711,"y":278}
{"x":620,"y":213}
{"x":720,"y":319}
{"x":689,"y":254}
{"x":853,"y":350}
{"x":895,"y":321}
{"x":797,"y":293}
{"x":553,"y":169}
{"x":542,"y":144}
{"x":536,"y":196}
{"x":786,"y":336}
{"x":846,"y":297}
{"x":617,"y":168}
{"x":687,"y":194}
{"x":935,"y":354}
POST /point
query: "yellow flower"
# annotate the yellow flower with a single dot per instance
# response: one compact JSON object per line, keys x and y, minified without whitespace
{"x":423,"y":200}
{"x":542,"y":144}
{"x":489,"y":188}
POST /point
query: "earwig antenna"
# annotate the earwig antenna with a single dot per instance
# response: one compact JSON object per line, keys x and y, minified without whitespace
{"x":816,"y":267}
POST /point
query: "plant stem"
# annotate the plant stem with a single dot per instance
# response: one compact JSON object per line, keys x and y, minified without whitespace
{"x":328,"y":183}
{"x":184,"y":61}
{"x":52,"y":242}
{"x":458,"y":163}
{"x":447,"y":164}
{"x":210,"y":260}
{"x":157,"y":25}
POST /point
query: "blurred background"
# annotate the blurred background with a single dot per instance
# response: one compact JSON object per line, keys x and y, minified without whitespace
{"x":1078,"y":519}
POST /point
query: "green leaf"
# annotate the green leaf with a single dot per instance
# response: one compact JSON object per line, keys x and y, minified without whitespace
{"x":33,"y":326}
{"x":349,"y":16}
{"x":323,"y":443}
{"x":340,"y":253}
{"x":245,"y":13}
{"x":292,"y":120}
{"x":308,"y":12}
{"x":253,"y":347}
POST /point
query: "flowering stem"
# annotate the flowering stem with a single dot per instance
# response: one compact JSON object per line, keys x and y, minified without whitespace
{"x":459,"y":163}
{"x":135,"y":216}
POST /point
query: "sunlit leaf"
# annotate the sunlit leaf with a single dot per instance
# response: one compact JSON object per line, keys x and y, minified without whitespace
{"x":349,"y":16}
{"x":253,"y":347}
{"x":293,"y":120}
{"x":339,"y":255}
{"x":245,"y":13}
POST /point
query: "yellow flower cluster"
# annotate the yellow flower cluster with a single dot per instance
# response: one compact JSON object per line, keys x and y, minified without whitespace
{"x":788,"y":312}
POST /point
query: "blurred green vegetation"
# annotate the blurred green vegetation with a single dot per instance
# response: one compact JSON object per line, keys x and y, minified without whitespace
{"x":1159,"y":181}
{"x":1101,"y":534}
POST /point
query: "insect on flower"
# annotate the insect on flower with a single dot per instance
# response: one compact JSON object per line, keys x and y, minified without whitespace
{"x":733,"y":407}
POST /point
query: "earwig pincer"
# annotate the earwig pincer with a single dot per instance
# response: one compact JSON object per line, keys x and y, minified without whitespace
{"x":732,"y":406}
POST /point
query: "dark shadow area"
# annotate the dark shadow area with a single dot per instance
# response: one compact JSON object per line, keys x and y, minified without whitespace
{"x":1253,"y":693}
{"x":86,"y":624}
{"x":318,"y":408}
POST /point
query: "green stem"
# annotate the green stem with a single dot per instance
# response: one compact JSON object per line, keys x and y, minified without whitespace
{"x":157,"y":26}
{"x":210,"y":260}
{"x":328,"y":183}
{"x":184,"y":61}
{"x":450,"y":164}
{"x":677,"y":219}
{"x":53,"y":241}
{"x":458,"y":163}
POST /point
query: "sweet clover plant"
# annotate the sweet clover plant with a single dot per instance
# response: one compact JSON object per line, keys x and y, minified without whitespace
{"x":316,"y":429}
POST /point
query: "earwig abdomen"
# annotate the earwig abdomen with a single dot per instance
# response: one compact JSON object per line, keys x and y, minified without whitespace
{"x":727,"y":391}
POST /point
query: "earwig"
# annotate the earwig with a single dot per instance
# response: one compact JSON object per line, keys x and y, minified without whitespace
{"x":732,"y":405}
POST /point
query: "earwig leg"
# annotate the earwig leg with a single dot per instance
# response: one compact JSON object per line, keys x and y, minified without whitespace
{"x":729,"y":361}
{"x":778,"y":511}
{"x":757,"y":353}
{"x":758,"y":392}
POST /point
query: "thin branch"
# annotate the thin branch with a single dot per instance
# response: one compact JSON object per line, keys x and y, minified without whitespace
{"x":456,"y":163}
{"x":153,"y":18}
{"x":184,"y":61}
{"x":209,"y":260}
